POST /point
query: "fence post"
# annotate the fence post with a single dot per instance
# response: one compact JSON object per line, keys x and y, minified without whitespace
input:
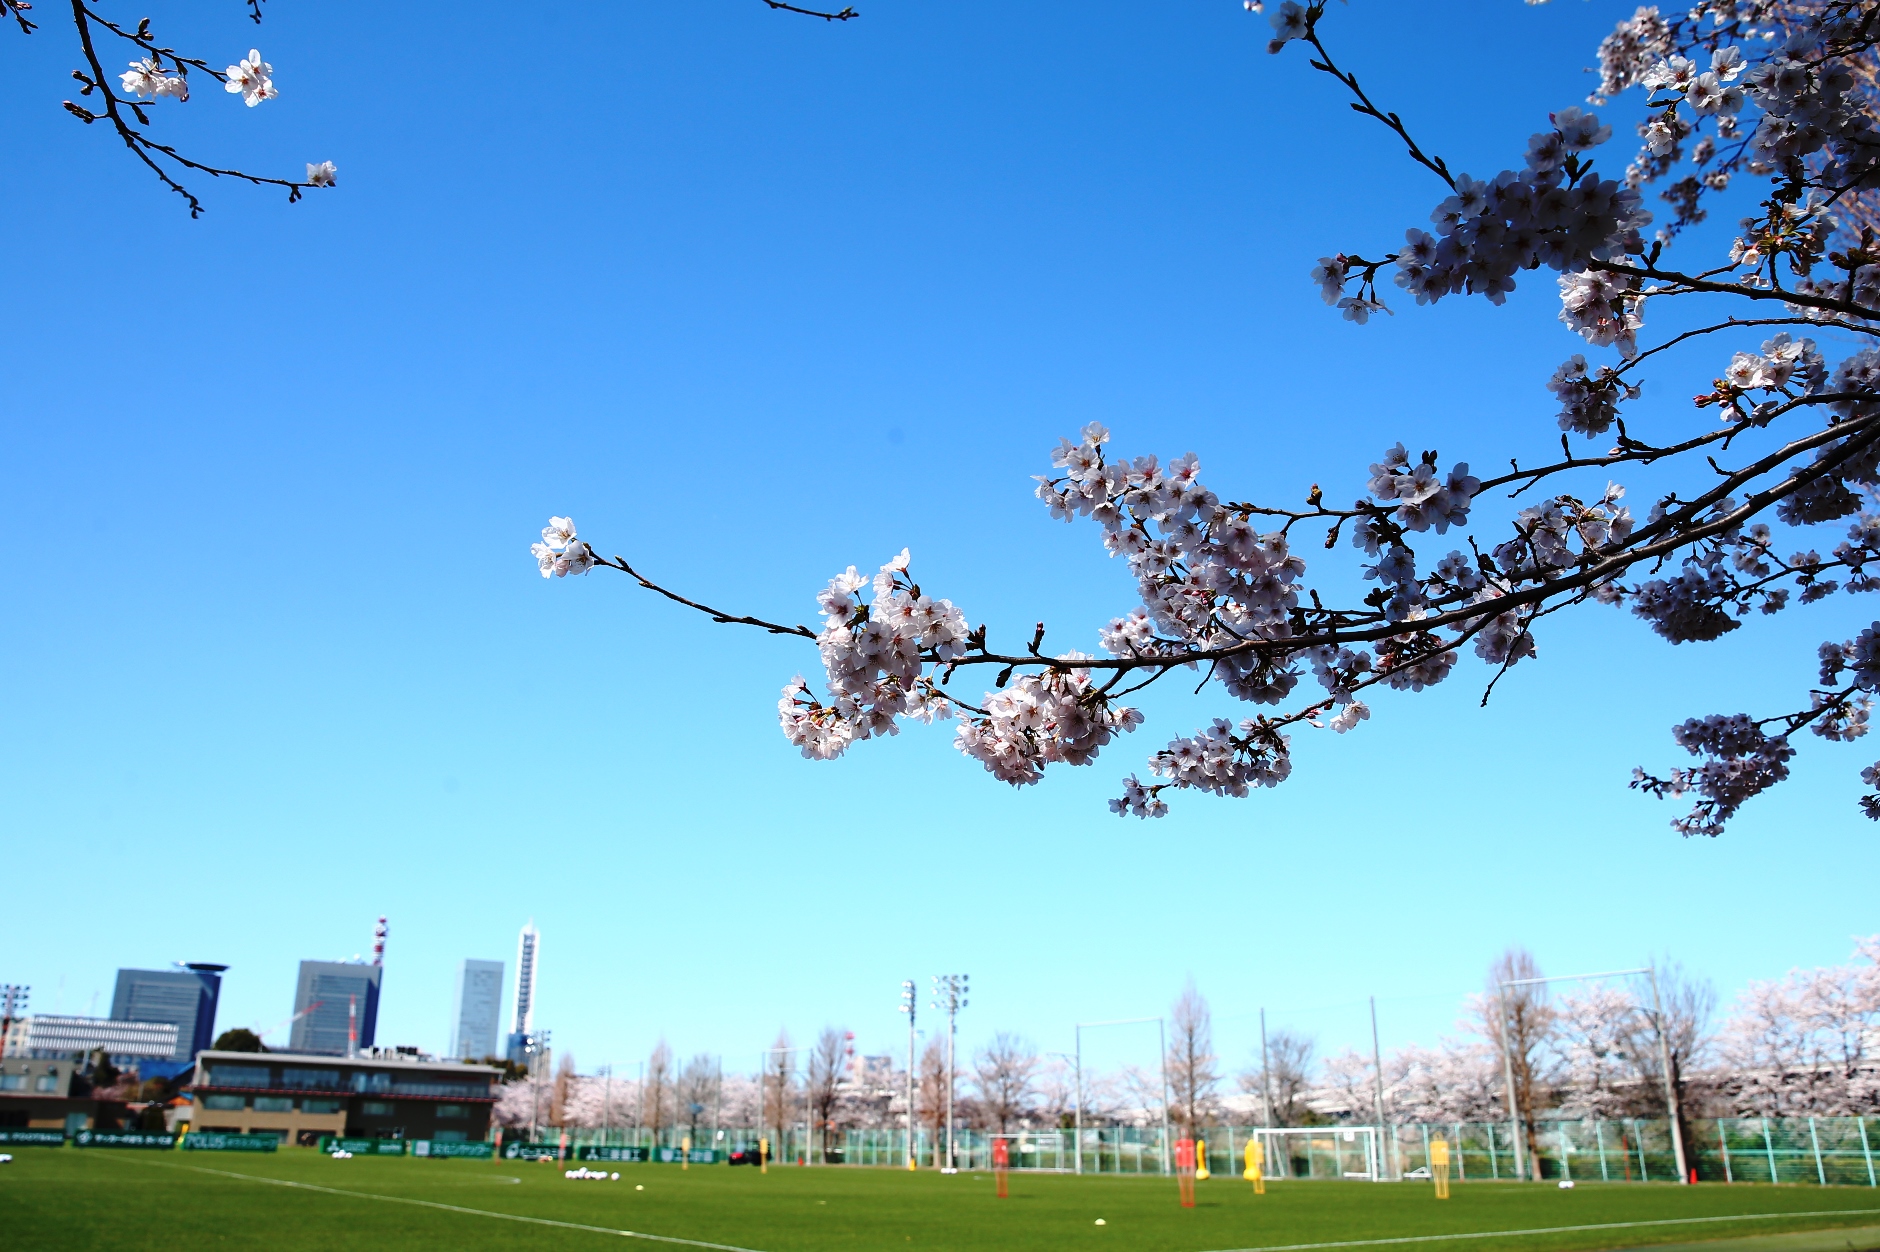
{"x":1770,"y":1147}
{"x":1866,"y":1151}
{"x":1599,"y":1138}
{"x":1494,"y":1167}
{"x":1723,"y":1141}
{"x":1566,"y":1151}
{"x":1638,"y":1137}
{"x":1821,"y":1175}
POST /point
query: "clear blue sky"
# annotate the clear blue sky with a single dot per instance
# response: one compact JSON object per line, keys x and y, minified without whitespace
{"x":754,"y":298}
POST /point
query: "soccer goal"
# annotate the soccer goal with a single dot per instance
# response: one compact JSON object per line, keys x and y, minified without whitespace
{"x":1316,"y":1152}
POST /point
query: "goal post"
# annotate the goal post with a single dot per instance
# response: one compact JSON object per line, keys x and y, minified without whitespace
{"x":1325,"y":1151}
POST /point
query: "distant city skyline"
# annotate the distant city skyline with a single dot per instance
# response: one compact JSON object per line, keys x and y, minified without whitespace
{"x":476,"y":1009}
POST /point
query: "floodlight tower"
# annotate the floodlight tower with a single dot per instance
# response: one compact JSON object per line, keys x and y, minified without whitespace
{"x":13,"y":1005}
{"x":909,"y":1002}
{"x":949,"y":996}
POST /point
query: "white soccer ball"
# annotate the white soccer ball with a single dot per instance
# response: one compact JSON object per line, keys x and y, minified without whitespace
{"x":1566,"y":1184}
{"x":616,"y":1177}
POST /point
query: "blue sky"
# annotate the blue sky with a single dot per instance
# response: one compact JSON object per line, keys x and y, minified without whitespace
{"x":754,"y":298}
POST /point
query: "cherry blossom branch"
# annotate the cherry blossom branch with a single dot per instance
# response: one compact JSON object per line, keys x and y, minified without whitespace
{"x":1680,"y":529}
{"x":717,"y":615}
{"x":1362,"y":104}
{"x":842,"y":15}
{"x":1691,"y":283}
{"x":1734,"y":323}
{"x":256,"y":86}
{"x":1224,"y":600}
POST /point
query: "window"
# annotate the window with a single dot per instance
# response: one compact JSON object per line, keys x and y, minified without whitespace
{"x":365,"y":1081}
{"x":441,"y":1088}
{"x":310,"y":1079}
{"x":222,"y":1102}
{"x":449,"y":1136}
{"x":377,"y":1108}
{"x":274,"y":1104}
{"x":12,"y":1082}
{"x":452,"y":1110}
{"x":321,"y":1106}
{"x":239,"y":1076}
{"x":47,"y":1082}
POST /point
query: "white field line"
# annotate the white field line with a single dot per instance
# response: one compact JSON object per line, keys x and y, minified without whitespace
{"x":1551,"y":1230}
{"x":456,"y":1208}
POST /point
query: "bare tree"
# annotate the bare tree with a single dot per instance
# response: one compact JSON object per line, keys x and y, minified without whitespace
{"x":828,"y":1062}
{"x":1289,"y":1056}
{"x":1057,"y":1092}
{"x":1192,"y":1072}
{"x":1520,"y":1020}
{"x":933,"y":1095}
{"x":1005,"y":1077}
{"x":563,"y":1093}
{"x":656,"y":1091}
{"x":696,"y":1088}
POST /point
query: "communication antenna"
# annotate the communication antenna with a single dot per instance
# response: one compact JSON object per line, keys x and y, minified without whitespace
{"x":378,"y":941}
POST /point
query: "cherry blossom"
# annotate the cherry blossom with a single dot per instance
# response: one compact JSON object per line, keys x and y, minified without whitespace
{"x":252,"y":79}
{"x":1758,"y":100}
{"x":148,"y":78}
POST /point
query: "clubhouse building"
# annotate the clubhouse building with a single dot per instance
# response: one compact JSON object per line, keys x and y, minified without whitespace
{"x":300,"y":1096}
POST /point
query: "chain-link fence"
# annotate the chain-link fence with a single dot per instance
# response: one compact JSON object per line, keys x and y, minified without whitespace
{"x":1816,"y":1150}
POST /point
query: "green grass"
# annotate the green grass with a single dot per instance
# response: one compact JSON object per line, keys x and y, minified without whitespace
{"x":109,"y":1199}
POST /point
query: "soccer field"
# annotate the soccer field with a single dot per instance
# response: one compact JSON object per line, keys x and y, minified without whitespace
{"x":155,"y":1201}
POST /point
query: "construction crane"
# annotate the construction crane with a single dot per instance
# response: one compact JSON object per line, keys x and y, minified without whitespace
{"x":263,"y":1034}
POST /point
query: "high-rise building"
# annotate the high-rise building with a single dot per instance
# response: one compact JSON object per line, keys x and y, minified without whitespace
{"x":528,"y":959}
{"x":185,"y":997}
{"x":476,"y":1010}
{"x":336,"y":1007}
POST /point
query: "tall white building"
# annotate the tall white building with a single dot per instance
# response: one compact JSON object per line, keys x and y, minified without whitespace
{"x":528,"y":960}
{"x":45,"y":1036}
{"x":476,"y":1010}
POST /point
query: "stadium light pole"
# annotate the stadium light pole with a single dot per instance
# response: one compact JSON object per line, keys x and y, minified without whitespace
{"x":1673,"y":1110}
{"x":607,"y":1103}
{"x":1266,"y":1076}
{"x":950,"y":997}
{"x":909,"y":1002}
{"x":1377,"y":1072}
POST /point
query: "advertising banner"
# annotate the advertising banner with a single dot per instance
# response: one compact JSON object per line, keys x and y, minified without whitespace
{"x":44,"y":1138}
{"x":697,"y":1156}
{"x":223,"y":1141}
{"x":531,"y":1152}
{"x":363,"y":1147}
{"x":121,"y":1139}
{"x":446,"y":1149}
{"x":599,"y":1152}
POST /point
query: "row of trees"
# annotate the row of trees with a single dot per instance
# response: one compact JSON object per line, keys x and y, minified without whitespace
{"x":1807,"y":1043}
